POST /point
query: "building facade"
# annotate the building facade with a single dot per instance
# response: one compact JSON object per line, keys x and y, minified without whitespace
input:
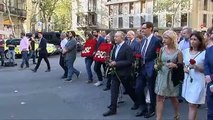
{"x":12,"y":16}
{"x":129,"y":14}
{"x":90,"y":14}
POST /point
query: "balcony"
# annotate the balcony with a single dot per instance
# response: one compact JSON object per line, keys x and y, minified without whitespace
{"x":21,"y":13}
{"x":87,"y":20}
{"x":111,"y":2}
{"x":1,"y":7}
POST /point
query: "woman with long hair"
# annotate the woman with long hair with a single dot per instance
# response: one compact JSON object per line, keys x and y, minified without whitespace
{"x":194,"y":83}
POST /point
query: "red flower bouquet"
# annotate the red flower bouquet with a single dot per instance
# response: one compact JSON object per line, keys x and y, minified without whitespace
{"x":138,"y":55}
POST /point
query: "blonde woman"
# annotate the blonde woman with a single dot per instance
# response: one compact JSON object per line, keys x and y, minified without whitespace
{"x":170,"y":56}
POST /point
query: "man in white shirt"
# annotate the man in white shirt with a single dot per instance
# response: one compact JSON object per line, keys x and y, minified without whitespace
{"x":61,"y":60}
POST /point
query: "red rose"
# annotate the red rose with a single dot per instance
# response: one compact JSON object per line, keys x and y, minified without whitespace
{"x":137,"y":55}
{"x":192,"y":61}
{"x":158,"y":50}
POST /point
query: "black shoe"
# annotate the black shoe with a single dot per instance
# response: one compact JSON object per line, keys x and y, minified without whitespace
{"x":135,"y":107}
{"x":141,"y":113}
{"x":78,"y":74}
{"x":48,"y":70}
{"x":149,"y":114}
{"x":107,"y":88}
{"x":63,"y":77}
{"x":125,"y":93}
{"x":89,"y":81}
{"x":110,"y":112}
{"x":34,"y":63}
{"x":34,"y":70}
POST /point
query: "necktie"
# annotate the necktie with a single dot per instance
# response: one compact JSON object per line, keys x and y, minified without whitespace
{"x":116,"y":51}
{"x":143,"y":51}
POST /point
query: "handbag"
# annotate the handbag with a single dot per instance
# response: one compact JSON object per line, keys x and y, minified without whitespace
{"x":178,"y":73}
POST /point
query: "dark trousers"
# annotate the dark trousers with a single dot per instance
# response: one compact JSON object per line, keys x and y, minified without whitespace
{"x":2,"y":57}
{"x":97,"y":69}
{"x":25,"y":58}
{"x":32,"y":55}
{"x":88,"y":62}
{"x":63,"y":64}
{"x":209,"y":103}
{"x":39,"y":61}
{"x":144,"y":81}
{"x":109,"y":80}
{"x":115,"y":90}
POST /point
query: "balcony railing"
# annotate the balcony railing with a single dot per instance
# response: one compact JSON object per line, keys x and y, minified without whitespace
{"x":1,"y":7}
{"x":17,"y":12}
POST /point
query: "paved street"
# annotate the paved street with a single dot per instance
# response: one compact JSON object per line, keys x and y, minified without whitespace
{"x":41,"y":95}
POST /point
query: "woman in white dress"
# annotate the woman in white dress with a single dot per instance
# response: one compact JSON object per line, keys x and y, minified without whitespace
{"x":194,"y":82}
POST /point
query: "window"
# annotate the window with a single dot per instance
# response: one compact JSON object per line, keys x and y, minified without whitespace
{"x":204,"y":19}
{"x":155,"y":20}
{"x":120,"y":22}
{"x":78,"y":20}
{"x":120,"y":12}
{"x":142,"y":6}
{"x":92,"y":5}
{"x":131,"y":21}
{"x":168,"y":20}
{"x":205,"y":6}
{"x":131,"y":8}
{"x":108,"y":0}
{"x":184,"y":19}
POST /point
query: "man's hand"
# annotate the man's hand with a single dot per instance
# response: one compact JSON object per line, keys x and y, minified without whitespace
{"x":64,"y":51}
{"x":208,"y":79}
{"x":113,"y":63}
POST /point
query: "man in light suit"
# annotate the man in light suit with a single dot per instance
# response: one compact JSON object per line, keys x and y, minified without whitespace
{"x":147,"y":73}
{"x":42,"y":48}
{"x":122,"y":59}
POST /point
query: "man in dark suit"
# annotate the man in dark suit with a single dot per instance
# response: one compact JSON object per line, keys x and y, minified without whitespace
{"x":132,"y":42}
{"x":42,"y":53}
{"x":147,"y":73}
{"x":122,"y":59}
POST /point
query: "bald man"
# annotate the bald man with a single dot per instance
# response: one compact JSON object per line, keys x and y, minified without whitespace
{"x":122,"y":59}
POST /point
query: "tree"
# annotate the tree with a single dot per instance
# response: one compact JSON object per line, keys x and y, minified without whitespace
{"x":63,"y":15}
{"x":172,"y":7}
{"x":47,"y":8}
{"x":9,"y":16}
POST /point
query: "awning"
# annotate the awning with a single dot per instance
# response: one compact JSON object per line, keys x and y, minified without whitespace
{"x":7,"y":22}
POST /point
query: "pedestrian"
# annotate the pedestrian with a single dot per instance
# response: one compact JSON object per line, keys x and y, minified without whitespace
{"x":88,"y":52}
{"x":208,"y":71}
{"x":193,"y":90}
{"x":2,"y":43}
{"x":24,"y":48}
{"x":42,"y":49}
{"x":122,"y":57}
{"x":70,"y":51}
{"x":97,"y":66}
{"x":169,"y":58}
{"x":61,"y":59}
{"x":147,"y":74}
{"x":32,"y":53}
{"x":11,"y":49}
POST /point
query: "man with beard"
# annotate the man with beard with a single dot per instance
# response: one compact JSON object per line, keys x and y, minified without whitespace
{"x":97,"y":66}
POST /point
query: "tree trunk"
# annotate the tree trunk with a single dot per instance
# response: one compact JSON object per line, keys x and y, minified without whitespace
{"x":10,"y":19}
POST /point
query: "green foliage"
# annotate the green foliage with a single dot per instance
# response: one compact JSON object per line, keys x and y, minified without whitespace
{"x":170,"y":5}
{"x":63,"y":15}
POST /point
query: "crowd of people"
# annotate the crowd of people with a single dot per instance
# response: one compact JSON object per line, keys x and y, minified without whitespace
{"x":143,"y":64}
{"x":175,"y":65}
